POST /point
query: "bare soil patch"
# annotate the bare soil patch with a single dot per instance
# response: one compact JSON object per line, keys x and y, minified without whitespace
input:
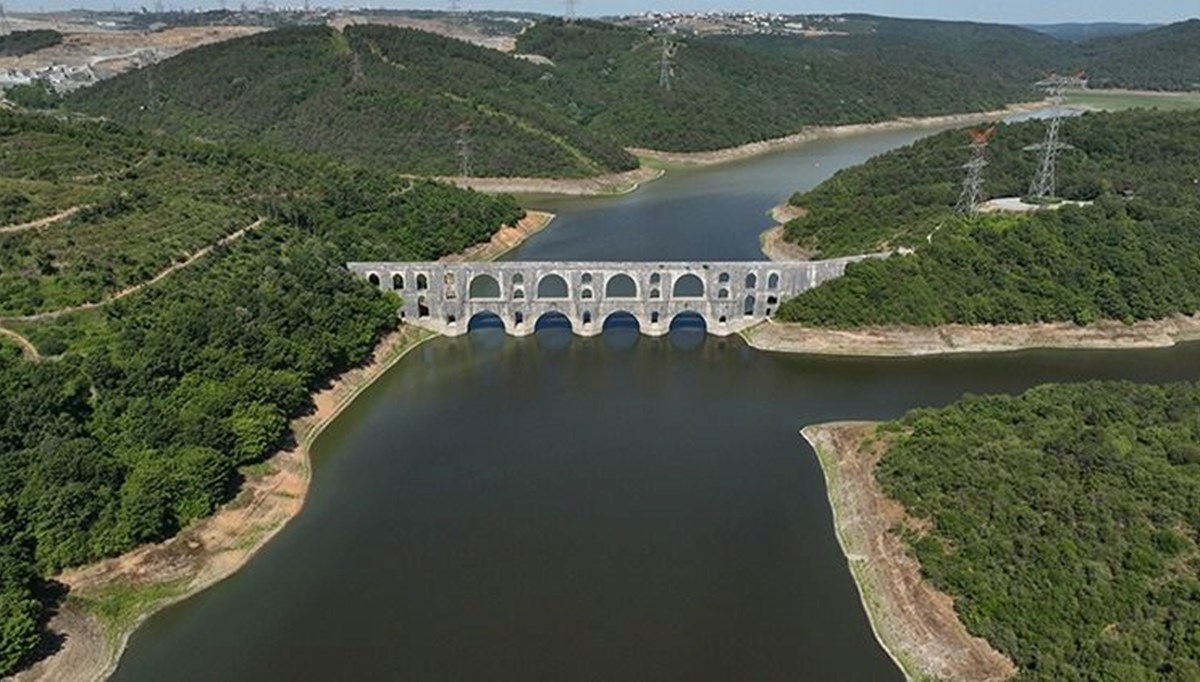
{"x":960,"y":338}
{"x":915,"y":622}
{"x":612,"y":184}
{"x":112,"y":52}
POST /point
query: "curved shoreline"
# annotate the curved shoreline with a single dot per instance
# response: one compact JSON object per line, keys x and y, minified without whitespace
{"x":915,"y":623}
{"x":784,"y":337}
{"x":132,"y":587}
{"x":615,"y":184}
{"x":811,"y":133}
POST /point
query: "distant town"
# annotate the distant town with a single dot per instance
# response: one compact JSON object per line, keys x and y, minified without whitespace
{"x":99,"y":45}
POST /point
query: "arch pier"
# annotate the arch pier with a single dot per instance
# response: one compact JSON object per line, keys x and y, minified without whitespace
{"x":728,"y":297}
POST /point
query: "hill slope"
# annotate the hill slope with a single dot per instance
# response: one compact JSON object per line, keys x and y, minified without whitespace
{"x":156,"y":399}
{"x":1133,"y":255}
{"x":730,"y":90}
{"x":382,"y":96}
{"x":1063,"y":522}
{"x":1166,"y":58}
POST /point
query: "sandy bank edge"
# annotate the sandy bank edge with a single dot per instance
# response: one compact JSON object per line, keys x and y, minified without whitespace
{"x":209,"y":550}
{"x":506,"y":239}
{"x":783,"y":337}
{"x":613,"y":184}
{"x":718,"y":156}
{"x":914,"y":623}
{"x":215,"y":547}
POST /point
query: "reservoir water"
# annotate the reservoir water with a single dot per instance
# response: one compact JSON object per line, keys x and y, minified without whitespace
{"x":614,"y":508}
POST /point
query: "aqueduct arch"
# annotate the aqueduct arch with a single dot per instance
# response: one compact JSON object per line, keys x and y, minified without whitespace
{"x":726,"y":296}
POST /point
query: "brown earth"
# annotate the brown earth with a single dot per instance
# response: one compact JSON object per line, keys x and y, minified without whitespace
{"x":449,"y":29}
{"x":811,"y":133}
{"x":612,"y":184}
{"x":960,"y":338}
{"x":772,"y":240}
{"x":113,"y":52}
{"x":915,"y":622}
{"x":506,"y":239}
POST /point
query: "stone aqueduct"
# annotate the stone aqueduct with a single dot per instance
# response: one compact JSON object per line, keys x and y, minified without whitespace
{"x":444,"y":297}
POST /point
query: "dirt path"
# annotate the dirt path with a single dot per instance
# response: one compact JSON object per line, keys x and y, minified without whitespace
{"x":809,"y":134}
{"x":29,"y":350}
{"x":133,"y":289}
{"x":210,"y":549}
{"x":960,"y":338}
{"x":914,"y":622}
{"x":43,"y":222}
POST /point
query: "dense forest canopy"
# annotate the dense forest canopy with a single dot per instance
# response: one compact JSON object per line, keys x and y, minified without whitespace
{"x":1166,"y":58}
{"x":1134,"y":254}
{"x":1064,"y":523}
{"x":140,"y":424}
{"x":19,"y":43}
{"x":382,"y":96}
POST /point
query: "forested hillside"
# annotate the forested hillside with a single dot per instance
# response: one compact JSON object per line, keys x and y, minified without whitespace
{"x":1063,"y":522}
{"x":731,"y":90}
{"x":1134,"y":254}
{"x":1166,"y":58}
{"x":387,"y":97}
{"x":397,"y":97}
{"x":155,"y":400}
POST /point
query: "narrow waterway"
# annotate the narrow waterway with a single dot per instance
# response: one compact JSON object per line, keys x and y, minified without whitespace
{"x":615,"y":508}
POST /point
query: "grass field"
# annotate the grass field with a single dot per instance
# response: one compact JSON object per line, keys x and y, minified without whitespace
{"x":1118,"y":100}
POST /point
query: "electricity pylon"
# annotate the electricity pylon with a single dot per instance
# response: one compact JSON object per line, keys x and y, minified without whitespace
{"x":1044,"y":183}
{"x":972,"y":188}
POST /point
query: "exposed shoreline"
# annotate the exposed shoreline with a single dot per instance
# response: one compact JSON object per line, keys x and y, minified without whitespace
{"x":783,"y":337}
{"x":915,"y":623}
{"x":506,"y":238}
{"x":772,"y":240}
{"x":613,"y":184}
{"x":134,"y":586}
{"x":808,"y":134}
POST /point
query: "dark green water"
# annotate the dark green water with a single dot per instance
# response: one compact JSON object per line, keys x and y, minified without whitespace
{"x":616,"y":508}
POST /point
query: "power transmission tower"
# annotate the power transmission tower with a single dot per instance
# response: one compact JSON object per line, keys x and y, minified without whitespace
{"x":5,"y":24}
{"x":464,"y":149}
{"x":570,"y":6}
{"x":1044,"y":183}
{"x":972,"y":188}
{"x":666,"y":67}
{"x":454,"y":6}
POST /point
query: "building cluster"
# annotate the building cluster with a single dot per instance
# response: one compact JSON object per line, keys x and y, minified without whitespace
{"x":738,"y":23}
{"x":60,"y":77}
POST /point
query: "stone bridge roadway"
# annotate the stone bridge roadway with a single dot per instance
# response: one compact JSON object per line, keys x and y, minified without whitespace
{"x":728,"y":297}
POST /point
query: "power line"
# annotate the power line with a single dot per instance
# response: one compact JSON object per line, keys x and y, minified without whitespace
{"x":464,"y":149}
{"x":972,"y":189}
{"x":666,"y":67}
{"x":1045,"y":182}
